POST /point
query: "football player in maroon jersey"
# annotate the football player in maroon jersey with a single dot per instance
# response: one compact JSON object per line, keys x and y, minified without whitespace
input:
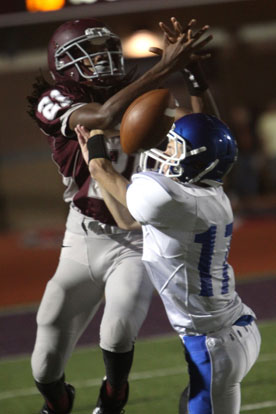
{"x":98,"y":260}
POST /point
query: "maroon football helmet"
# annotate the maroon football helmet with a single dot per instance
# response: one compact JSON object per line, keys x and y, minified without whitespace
{"x":85,"y":50}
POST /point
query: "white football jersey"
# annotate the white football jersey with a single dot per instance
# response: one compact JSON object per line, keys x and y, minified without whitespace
{"x":187,"y":234}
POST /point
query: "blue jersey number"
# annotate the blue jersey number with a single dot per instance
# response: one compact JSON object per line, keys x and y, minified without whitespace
{"x":208,"y":239}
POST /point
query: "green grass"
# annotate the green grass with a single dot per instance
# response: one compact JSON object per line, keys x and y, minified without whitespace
{"x":158,"y":376}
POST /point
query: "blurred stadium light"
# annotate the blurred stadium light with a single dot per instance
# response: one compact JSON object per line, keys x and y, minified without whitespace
{"x":14,"y":13}
{"x":137,"y":45}
{"x":44,"y":5}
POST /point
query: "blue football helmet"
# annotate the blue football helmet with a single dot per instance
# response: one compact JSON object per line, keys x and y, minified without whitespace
{"x":202,"y":149}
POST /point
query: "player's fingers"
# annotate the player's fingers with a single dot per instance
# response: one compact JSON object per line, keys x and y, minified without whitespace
{"x":85,"y":133}
{"x":199,"y":57}
{"x":206,"y":56}
{"x":176,"y":25}
{"x":79,"y":136}
{"x":77,"y":130}
{"x":189,"y":25}
{"x":202,"y":43}
{"x":187,"y":38}
{"x":189,"y":34}
{"x":166,"y":29}
{"x":200,"y":32}
{"x":156,"y":50}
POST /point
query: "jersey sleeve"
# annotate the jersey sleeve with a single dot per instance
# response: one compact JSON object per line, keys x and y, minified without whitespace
{"x":159,"y":201}
{"x":53,"y":111}
{"x":147,"y":200}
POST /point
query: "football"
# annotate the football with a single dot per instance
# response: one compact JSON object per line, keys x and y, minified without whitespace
{"x":147,"y":121}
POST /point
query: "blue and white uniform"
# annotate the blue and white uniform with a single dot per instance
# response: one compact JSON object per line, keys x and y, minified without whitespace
{"x":187,"y":234}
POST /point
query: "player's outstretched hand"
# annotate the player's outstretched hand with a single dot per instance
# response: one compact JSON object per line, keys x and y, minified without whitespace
{"x":200,"y":55}
{"x":178,"y":55}
{"x":171,"y":35}
{"x":184,"y":42}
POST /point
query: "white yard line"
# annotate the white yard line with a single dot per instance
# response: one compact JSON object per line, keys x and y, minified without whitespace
{"x":26,"y":392}
{"x":96,"y":382}
{"x":258,"y":406}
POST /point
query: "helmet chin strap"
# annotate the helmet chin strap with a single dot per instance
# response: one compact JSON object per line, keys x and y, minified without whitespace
{"x":204,"y":172}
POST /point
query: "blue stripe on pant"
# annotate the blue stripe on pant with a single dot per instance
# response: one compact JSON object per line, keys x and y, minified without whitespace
{"x":200,"y":372}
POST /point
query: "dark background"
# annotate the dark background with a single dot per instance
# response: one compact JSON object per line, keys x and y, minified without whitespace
{"x":241,"y":74}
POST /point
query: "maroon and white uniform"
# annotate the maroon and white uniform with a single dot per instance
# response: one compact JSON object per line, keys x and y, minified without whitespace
{"x":53,"y":111}
{"x":97,"y":258}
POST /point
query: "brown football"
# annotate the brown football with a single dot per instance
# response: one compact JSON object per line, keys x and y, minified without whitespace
{"x":147,"y":121}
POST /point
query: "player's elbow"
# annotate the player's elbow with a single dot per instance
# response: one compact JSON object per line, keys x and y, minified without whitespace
{"x":91,"y":116}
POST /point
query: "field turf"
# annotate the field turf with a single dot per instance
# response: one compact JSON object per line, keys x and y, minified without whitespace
{"x":158,"y":376}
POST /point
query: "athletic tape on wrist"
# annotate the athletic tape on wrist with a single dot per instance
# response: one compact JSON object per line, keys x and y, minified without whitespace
{"x":97,"y":148}
{"x":195,"y":80}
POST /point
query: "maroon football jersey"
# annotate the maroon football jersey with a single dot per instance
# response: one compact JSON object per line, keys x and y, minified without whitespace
{"x":52,"y":113}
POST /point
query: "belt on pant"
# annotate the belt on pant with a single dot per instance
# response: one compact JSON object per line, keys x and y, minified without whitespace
{"x":89,"y":224}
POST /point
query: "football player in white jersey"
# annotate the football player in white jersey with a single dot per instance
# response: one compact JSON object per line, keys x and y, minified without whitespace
{"x":187,"y":223}
{"x":90,"y":87}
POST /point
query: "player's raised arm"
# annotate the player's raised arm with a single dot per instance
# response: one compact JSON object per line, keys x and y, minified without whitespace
{"x":201,"y":97}
{"x":174,"y":57}
{"x":197,"y":85}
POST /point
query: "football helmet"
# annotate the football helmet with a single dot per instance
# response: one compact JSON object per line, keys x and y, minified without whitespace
{"x":85,"y":50}
{"x":201,"y":149}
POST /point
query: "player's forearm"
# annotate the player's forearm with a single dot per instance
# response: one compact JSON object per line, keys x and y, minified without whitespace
{"x":113,"y":188}
{"x":174,"y":56}
{"x":120,"y":213}
{"x":118,"y":103}
{"x":94,"y":115}
{"x":205,"y":103}
{"x":201,"y":97}
{"x":114,"y":183}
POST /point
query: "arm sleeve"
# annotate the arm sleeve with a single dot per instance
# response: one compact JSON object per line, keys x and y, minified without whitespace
{"x":53,"y":111}
{"x":147,"y":200}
